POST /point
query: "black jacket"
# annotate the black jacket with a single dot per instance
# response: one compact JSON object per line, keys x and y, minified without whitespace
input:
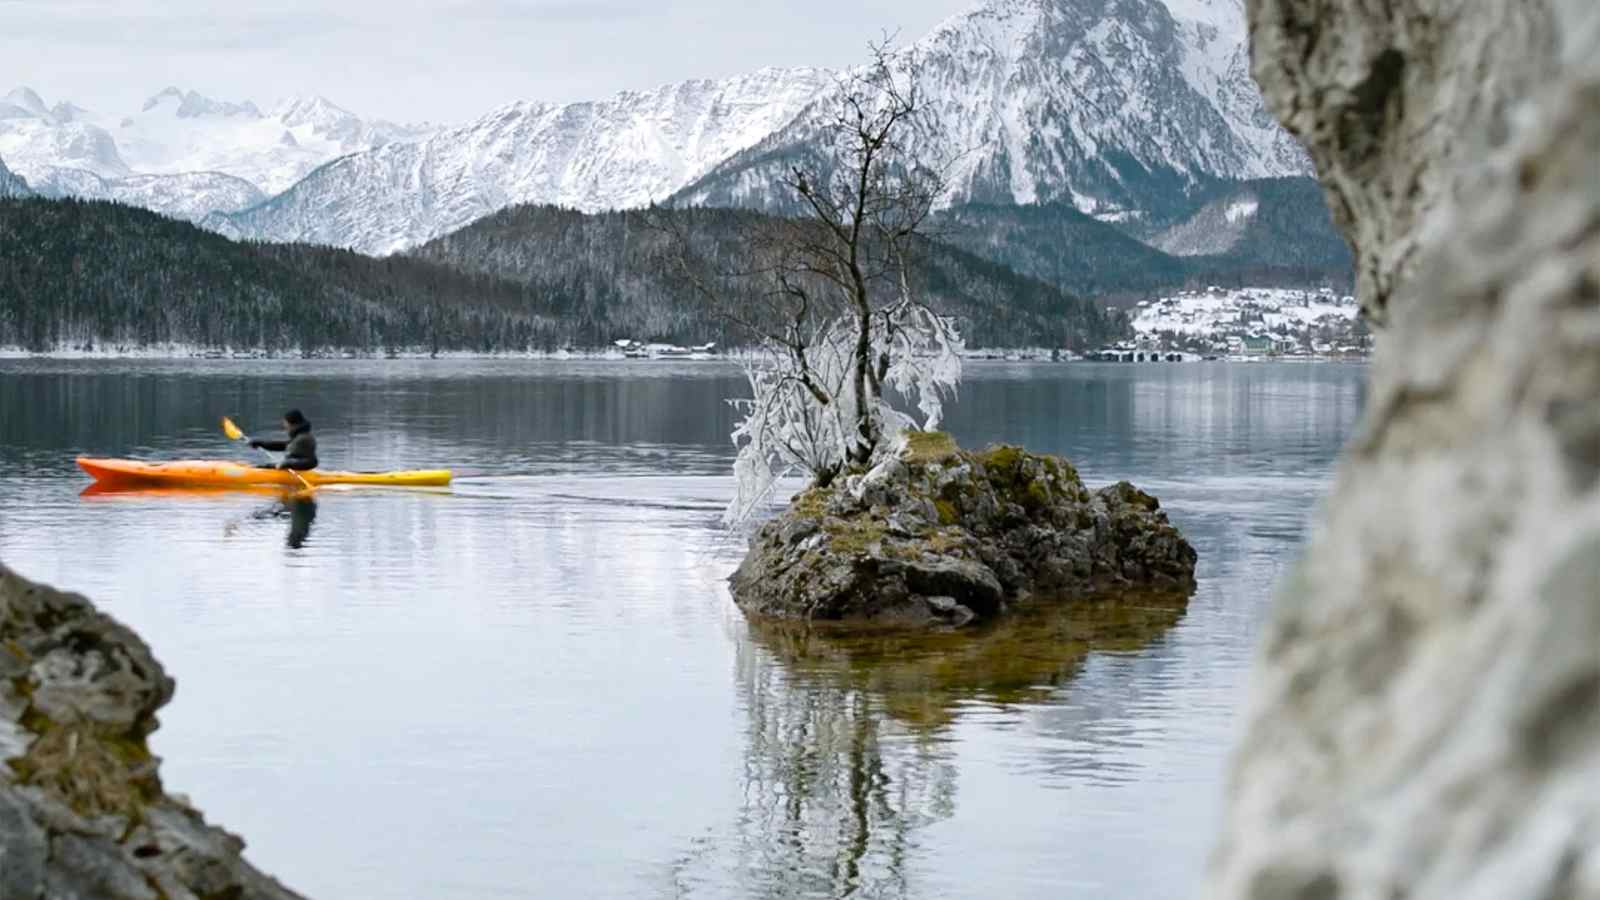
{"x":299,"y":451}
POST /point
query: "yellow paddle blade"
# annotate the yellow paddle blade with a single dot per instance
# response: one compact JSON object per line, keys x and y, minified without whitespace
{"x":231,"y":430}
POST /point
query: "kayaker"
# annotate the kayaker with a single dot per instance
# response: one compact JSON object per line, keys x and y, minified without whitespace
{"x":300,"y":450}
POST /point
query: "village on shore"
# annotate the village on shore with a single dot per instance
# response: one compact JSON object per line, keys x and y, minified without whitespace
{"x":1232,"y":324}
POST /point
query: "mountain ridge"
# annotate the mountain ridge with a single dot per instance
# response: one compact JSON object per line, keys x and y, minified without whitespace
{"x":627,"y":151}
{"x":1124,"y":108}
{"x":181,"y":135}
{"x":1112,"y":105}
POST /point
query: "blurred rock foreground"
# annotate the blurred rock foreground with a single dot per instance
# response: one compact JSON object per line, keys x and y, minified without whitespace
{"x":1425,"y":716}
{"x":82,"y":809}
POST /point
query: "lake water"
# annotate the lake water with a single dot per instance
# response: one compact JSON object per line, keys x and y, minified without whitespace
{"x":535,"y":684}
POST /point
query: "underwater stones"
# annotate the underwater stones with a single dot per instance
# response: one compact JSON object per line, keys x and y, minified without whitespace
{"x":82,"y":812}
{"x":933,"y":535}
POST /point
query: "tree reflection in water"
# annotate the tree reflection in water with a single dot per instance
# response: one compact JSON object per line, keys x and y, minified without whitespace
{"x":847,"y":751}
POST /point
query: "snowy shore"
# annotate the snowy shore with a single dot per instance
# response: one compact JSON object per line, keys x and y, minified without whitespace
{"x":178,"y":352}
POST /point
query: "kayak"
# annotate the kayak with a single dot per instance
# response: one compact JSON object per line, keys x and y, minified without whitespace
{"x":208,"y":473}
{"x":118,"y":490}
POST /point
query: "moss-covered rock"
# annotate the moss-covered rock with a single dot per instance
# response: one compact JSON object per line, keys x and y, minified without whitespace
{"x":936,"y":535}
{"x":82,"y":809}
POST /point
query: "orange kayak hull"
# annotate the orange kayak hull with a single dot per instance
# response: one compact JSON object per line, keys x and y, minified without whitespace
{"x":210,"y":473}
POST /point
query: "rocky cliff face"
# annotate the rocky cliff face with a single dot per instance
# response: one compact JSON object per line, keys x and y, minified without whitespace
{"x":1425,"y":722}
{"x":933,"y":535}
{"x":12,"y":185}
{"x":82,"y":809}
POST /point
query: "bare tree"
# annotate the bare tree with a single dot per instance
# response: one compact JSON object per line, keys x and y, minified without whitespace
{"x":847,"y":340}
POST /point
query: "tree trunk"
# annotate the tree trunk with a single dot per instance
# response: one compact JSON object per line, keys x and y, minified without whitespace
{"x":866,"y":399}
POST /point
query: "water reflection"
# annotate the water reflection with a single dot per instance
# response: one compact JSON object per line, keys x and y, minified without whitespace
{"x":848,"y":750}
{"x":299,"y":508}
{"x":612,"y":754}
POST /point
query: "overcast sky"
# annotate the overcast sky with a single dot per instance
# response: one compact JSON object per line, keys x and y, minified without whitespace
{"x":437,"y":60}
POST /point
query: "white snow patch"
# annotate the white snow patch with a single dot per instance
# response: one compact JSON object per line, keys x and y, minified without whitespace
{"x":1241,"y":209}
{"x":1241,"y":311}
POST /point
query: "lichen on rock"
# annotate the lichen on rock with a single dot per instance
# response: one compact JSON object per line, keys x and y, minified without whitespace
{"x":82,"y":809}
{"x":936,"y":535}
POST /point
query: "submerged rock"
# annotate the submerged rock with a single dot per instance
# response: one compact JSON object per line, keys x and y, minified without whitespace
{"x":935,"y":535}
{"x":1425,"y":717}
{"x":82,"y":809}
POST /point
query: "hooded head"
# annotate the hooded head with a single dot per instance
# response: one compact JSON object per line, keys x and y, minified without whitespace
{"x":294,"y":421}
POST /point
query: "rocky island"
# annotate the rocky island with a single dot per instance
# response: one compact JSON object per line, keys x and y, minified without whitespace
{"x":82,"y":808}
{"x":934,"y":535}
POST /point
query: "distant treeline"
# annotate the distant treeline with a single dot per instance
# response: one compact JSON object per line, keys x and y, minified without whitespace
{"x":95,"y":275}
{"x":76,"y":274}
{"x":622,"y":271}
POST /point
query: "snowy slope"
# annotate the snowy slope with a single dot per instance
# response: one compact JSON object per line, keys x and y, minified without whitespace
{"x":32,"y":137}
{"x":622,"y":152}
{"x":181,"y":153}
{"x":1114,"y":106}
{"x":1216,"y":62}
{"x":179,"y":131}
{"x":190,"y":195}
{"x":12,"y":185}
{"x":1217,"y":227}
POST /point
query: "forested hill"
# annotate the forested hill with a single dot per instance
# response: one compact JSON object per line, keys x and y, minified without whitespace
{"x":77,"y":274}
{"x":1261,"y":233}
{"x":96,"y":275}
{"x":621,"y":269}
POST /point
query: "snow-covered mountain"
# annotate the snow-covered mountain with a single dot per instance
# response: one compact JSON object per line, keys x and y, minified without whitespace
{"x":181,"y":153}
{"x":1133,"y":111}
{"x":33,"y":136}
{"x":12,"y":185}
{"x":179,"y":131}
{"x":187,"y":195}
{"x":1114,"y":106}
{"x":623,"y":152}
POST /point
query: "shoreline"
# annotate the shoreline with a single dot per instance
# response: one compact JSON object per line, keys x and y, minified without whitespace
{"x":177,"y":352}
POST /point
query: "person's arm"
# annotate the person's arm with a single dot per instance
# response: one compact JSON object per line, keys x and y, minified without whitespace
{"x":300,"y":454}
{"x":274,"y":446}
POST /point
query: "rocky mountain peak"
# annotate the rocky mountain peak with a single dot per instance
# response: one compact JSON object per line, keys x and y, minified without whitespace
{"x":25,"y":98}
{"x":1113,"y":106}
{"x":191,"y":105}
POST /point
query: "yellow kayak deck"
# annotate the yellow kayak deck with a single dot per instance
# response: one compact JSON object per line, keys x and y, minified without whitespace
{"x":208,"y":473}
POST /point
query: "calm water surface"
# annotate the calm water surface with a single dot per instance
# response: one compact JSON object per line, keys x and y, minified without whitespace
{"x":535,"y":685}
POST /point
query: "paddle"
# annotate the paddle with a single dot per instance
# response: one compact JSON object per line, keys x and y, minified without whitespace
{"x":235,"y":433}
